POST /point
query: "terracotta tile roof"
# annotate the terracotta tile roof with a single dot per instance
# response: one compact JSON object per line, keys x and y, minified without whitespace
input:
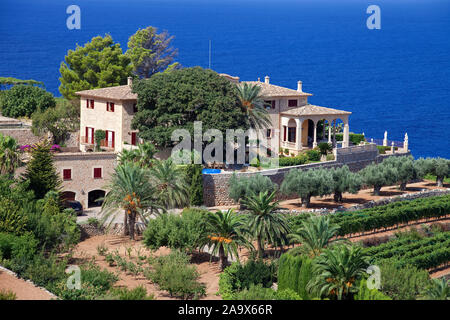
{"x":312,"y":110}
{"x":271,"y":90}
{"x":115,"y":93}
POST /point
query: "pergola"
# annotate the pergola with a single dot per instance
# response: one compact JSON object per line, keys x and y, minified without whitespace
{"x":295,"y":125}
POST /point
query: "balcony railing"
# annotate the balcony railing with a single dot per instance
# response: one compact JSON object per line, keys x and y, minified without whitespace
{"x":107,"y":143}
{"x":86,"y":140}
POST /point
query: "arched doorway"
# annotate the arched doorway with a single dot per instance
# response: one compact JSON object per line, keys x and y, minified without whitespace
{"x":67,"y":195}
{"x":93,"y":198}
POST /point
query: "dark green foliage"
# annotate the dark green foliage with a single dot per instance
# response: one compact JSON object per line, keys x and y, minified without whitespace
{"x":9,"y":81}
{"x":59,"y":121}
{"x":383,"y":149}
{"x":12,"y":220}
{"x":325,"y":147}
{"x":99,"y":135}
{"x":195,"y":181}
{"x":99,"y":63}
{"x":174,"y":100}
{"x":41,"y":172}
{"x":294,"y":273}
{"x":354,"y":138}
{"x":426,"y":253}
{"x":174,"y":274}
{"x":238,"y":277}
{"x":186,"y":232}
{"x":313,"y":155}
{"x":438,"y":167}
{"x":293,"y":161}
{"x":240,"y":188}
{"x":402,"y":283}
{"x":23,"y":100}
{"x":389,"y":215}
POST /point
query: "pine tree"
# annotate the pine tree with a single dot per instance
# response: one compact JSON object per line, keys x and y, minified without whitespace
{"x":41,"y":172}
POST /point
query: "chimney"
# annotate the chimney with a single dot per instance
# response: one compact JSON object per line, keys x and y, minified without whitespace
{"x":267,"y":80}
{"x":130,"y":81}
{"x":299,"y":86}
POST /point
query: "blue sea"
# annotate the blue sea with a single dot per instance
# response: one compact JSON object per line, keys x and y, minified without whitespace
{"x":395,"y":79}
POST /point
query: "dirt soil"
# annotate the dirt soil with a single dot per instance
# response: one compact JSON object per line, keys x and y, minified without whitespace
{"x":86,"y":250}
{"x":23,"y":289}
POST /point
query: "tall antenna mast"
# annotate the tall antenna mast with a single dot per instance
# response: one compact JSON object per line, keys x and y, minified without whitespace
{"x":209,"y":54}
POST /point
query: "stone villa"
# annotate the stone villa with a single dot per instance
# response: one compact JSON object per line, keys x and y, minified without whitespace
{"x":294,"y":120}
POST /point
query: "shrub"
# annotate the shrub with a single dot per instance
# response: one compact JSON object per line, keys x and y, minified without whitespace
{"x":138,"y":293}
{"x":174,"y":274}
{"x":402,"y":283}
{"x":255,"y":292}
{"x":185,"y":232}
{"x":287,"y":294}
{"x":313,"y":155}
{"x":364,"y":293}
{"x":294,"y":273}
{"x":293,"y":161}
{"x":324,"y":147}
{"x":22,"y":101}
{"x":238,"y":277}
{"x":7,"y":295}
{"x":12,"y":220}
{"x":354,"y":138}
{"x":330,"y":157}
{"x":99,"y":135}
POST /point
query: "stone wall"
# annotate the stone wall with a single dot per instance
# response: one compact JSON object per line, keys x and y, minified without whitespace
{"x":215,"y":186}
{"x":21,"y":135}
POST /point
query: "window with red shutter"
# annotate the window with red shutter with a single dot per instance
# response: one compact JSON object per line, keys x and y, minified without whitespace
{"x":67,"y":174}
{"x":87,"y":103}
{"x":92,"y":104}
{"x":110,"y":106}
{"x":284,"y":133}
{"x":97,"y":173}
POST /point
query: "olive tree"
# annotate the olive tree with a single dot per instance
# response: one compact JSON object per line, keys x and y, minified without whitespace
{"x":307,"y":184}
{"x":242,"y":187}
{"x":405,"y":169}
{"x":438,"y":167}
{"x":343,"y":180}
{"x":378,"y":176}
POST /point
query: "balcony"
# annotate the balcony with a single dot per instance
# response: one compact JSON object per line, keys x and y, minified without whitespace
{"x":107,"y":144}
{"x":85,"y":140}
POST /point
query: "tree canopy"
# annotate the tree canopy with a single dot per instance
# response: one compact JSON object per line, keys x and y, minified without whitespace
{"x":22,"y":100}
{"x":175,"y":99}
{"x":99,"y":63}
{"x":151,"y":52}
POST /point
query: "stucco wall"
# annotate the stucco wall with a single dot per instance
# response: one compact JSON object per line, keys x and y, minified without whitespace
{"x":100,"y":119}
{"x":82,"y":165}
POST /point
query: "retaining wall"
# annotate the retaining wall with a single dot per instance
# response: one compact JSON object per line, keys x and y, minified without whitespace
{"x":215,"y":186}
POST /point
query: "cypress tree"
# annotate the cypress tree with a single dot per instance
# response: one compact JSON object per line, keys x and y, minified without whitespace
{"x":41,"y":172}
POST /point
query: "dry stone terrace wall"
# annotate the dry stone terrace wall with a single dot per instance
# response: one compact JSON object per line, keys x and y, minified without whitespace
{"x":215,"y":186}
{"x":21,"y":135}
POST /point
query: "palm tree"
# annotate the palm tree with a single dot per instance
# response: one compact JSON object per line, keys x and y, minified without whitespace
{"x":315,"y":234}
{"x":171,"y":188}
{"x":336,"y":271}
{"x":131,"y":190}
{"x":145,"y":154}
{"x":227,"y":234}
{"x":264,"y":223}
{"x":252,"y":103}
{"x":438,"y":290}
{"x":10,"y":158}
{"x":128,"y":156}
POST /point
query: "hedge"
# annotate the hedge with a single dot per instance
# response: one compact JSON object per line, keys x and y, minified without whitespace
{"x":354,"y":138}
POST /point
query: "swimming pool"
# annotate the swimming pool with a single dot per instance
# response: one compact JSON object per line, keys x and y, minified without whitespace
{"x":211,"y":171}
